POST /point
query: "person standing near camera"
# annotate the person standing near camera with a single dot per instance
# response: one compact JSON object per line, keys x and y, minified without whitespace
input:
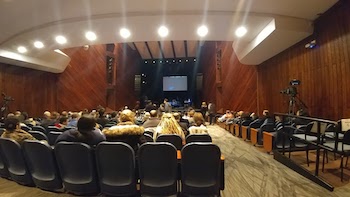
{"x":212,"y":112}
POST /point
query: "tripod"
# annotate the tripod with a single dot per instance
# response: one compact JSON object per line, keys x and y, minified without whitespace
{"x":291,"y":106}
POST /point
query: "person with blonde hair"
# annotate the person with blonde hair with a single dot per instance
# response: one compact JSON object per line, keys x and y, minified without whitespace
{"x":126,"y":130}
{"x":199,"y":127}
{"x":168,"y":125}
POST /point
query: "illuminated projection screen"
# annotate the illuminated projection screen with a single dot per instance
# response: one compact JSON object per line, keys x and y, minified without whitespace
{"x":174,"y":83}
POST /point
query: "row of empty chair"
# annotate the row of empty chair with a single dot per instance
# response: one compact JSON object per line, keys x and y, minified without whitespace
{"x":112,"y":168}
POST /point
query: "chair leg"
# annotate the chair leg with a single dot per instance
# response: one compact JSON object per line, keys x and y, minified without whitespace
{"x":341,"y":168}
{"x":327,"y":156}
{"x":324,"y":155}
{"x":307,"y":156}
{"x":346,"y":163}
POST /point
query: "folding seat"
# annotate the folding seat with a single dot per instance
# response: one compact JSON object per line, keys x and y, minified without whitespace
{"x":38,"y":135}
{"x":77,"y":168}
{"x":198,"y":138}
{"x":173,"y":139}
{"x":116,"y":168}
{"x":14,"y":160}
{"x":158,"y":169}
{"x":42,"y":165}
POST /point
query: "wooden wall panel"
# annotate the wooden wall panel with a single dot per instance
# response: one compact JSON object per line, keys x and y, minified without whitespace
{"x":83,"y":84}
{"x":33,"y":91}
{"x":238,"y":89}
{"x":323,"y":71}
{"x":128,"y":65}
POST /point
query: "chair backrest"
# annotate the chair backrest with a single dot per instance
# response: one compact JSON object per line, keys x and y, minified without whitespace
{"x":148,"y":137}
{"x":14,"y":160}
{"x":346,"y":138}
{"x":268,"y":127}
{"x":116,"y":168}
{"x":38,"y":135}
{"x":2,"y":130}
{"x":256,"y":123}
{"x":158,"y":169}
{"x":283,"y":133}
{"x":110,"y":125}
{"x":246,"y":122}
{"x":53,"y":137}
{"x":77,"y":167}
{"x":198,"y":138}
{"x":39,"y":128}
{"x":173,"y":139}
{"x":3,"y":168}
{"x":42,"y":165}
{"x":26,"y":128}
{"x":53,"y":129}
{"x":200,"y":169}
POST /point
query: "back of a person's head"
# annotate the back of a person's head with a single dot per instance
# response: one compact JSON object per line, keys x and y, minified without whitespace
{"x":266,"y":113}
{"x":63,"y":119}
{"x":114,"y":114}
{"x":101,"y":112}
{"x":86,"y":124}
{"x":25,"y":115}
{"x":64,"y":114}
{"x":75,"y":115}
{"x":11,"y":123}
{"x":191,"y":113}
{"x":198,"y":119}
{"x":177,"y":116}
{"x":126,"y":116}
{"x":55,"y":115}
{"x":47,"y":114}
{"x":153,"y":113}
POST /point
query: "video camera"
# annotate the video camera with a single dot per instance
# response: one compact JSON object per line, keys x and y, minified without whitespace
{"x":292,"y":89}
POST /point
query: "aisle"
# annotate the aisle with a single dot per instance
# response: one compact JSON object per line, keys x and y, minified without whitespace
{"x":251,"y":172}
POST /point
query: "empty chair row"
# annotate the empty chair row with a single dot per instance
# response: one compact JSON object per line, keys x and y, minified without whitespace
{"x":110,"y":169}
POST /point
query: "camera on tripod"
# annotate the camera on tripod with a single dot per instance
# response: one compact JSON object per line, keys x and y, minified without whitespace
{"x":292,"y":89}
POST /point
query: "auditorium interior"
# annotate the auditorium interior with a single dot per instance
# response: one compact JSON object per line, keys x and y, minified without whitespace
{"x":291,"y":58}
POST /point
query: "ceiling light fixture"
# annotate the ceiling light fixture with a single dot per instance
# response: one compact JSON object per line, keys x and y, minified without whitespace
{"x":163,"y":31}
{"x":124,"y":33}
{"x":202,"y":31}
{"x":22,"y":49}
{"x":241,"y":31}
{"x":38,"y":44}
{"x":61,"y":39}
{"x":90,"y":36}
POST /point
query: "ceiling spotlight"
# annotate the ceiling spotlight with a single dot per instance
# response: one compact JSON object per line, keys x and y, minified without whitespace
{"x":22,"y":49}
{"x":125,"y":33}
{"x":90,"y":36}
{"x":173,"y":60}
{"x":146,"y":62}
{"x":154,"y":61}
{"x":163,"y":31}
{"x":241,"y":31}
{"x":179,"y":60}
{"x":202,"y":31}
{"x":38,"y":44}
{"x":167,"y":61}
{"x":194,"y":59}
{"x":61,"y":39}
{"x":160,"y":61}
{"x":186,"y":60}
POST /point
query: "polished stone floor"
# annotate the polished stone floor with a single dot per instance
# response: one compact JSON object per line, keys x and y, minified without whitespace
{"x":249,"y":172}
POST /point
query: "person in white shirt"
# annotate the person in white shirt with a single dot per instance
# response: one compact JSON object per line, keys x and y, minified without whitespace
{"x":199,"y":127}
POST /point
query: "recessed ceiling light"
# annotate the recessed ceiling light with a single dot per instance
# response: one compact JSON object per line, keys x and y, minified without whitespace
{"x":22,"y":49}
{"x":241,"y":31}
{"x":38,"y":44}
{"x":163,"y":31}
{"x":125,"y":33}
{"x":61,"y":39}
{"x":90,"y":36}
{"x":202,"y":31}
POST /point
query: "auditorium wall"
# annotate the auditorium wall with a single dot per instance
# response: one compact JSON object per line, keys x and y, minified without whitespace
{"x":323,"y":70}
{"x":33,"y":91}
{"x":229,"y":83}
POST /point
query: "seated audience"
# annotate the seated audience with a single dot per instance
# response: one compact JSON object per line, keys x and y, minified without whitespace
{"x":153,"y":121}
{"x":85,"y":133}
{"x":226,"y":116}
{"x":183,"y":125}
{"x":102,"y":120}
{"x":74,"y":120}
{"x":13,"y":131}
{"x":126,"y":130}
{"x":199,"y":125}
{"x":27,"y":120}
{"x":168,"y":125}
{"x":62,"y":122}
{"x":190,"y":116}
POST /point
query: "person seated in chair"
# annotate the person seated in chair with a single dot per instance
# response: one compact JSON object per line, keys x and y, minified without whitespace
{"x":199,"y":127}
{"x":126,"y":130}
{"x":168,"y":125}
{"x":86,"y":133}
{"x":153,"y":121}
{"x":13,"y":131}
{"x":183,"y":125}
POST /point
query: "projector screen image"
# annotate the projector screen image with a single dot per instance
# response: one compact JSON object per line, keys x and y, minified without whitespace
{"x":175,"y":83}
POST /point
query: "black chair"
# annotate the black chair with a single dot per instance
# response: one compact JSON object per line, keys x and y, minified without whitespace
{"x":158,"y":169}
{"x":116,"y":168}
{"x":198,"y":138}
{"x":2,"y":130}
{"x":3,"y":168}
{"x":14,"y":160}
{"x":110,"y":125}
{"x":200,"y":169}
{"x":40,"y":128}
{"x":38,"y":135}
{"x":255,"y":124}
{"x":283,"y":138}
{"x":173,"y":139}
{"x":267,"y":127}
{"x":53,"y":129}
{"x":76,"y":164}
{"x":53,"y":137}
{"x":26,"y":128}
{"x":42,"y":165}
{"x":148,"y":137}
